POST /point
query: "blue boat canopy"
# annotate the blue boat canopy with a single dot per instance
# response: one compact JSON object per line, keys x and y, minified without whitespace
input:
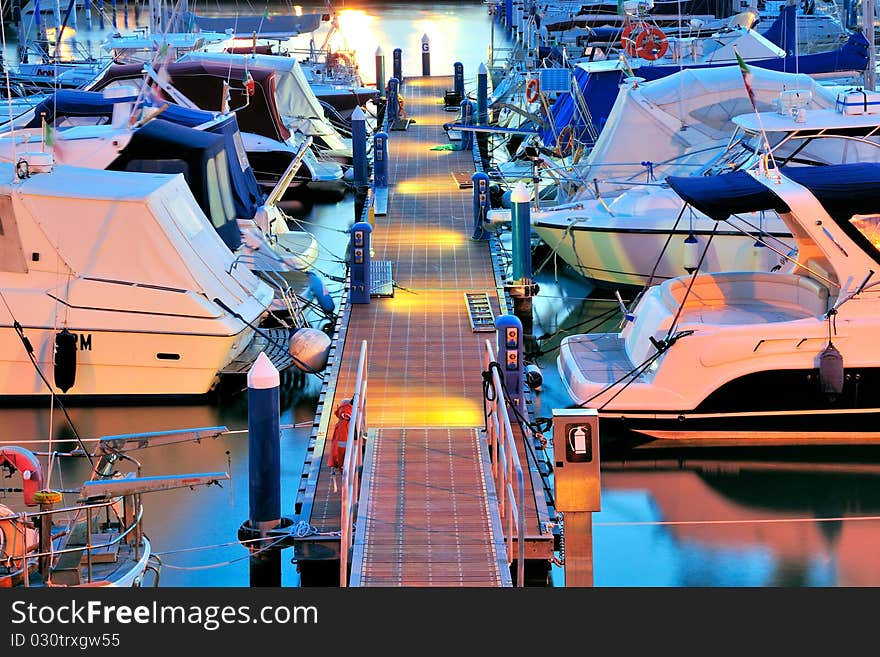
{"x":843,"y":190}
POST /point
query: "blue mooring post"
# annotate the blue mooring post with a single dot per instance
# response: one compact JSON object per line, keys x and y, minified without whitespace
{"x":509,"y":334}
{"x":522,"y":288}
{"x":264,"y":468}
{"x":508,"y":13}
{"x":360,"y":262}
{"x":380,"y":71}
{"x":521,"y":230}
{"x":380,"y":160}
{"x":482,"y":95}
{"x":481,"y":204}
{"x":426,"y":55}
{"x":397,"y":64}
{"x":467,"y":118}
{"x":391,"y":106}
{"x":458,"y":79}
{"x":359,"y":146}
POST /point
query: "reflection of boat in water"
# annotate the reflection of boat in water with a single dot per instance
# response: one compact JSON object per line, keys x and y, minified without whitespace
{"x":745,"y":523}
{"x":99,"y":540}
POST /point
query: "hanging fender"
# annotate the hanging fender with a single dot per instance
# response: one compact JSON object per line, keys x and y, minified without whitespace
{"x":533,"y":90}
{"x":651,"y":43}
{"x":65,"y":360}
{"x":15,"y":458}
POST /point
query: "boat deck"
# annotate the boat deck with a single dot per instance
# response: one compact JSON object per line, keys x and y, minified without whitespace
{"x":428,"y":511}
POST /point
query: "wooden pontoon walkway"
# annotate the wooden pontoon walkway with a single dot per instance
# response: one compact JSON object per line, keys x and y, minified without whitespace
{"x":428,"y":510}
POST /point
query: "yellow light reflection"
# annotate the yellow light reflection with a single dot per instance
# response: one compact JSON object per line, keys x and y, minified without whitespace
{"x":297,"y":10}
{"x":423,"y":185}
{"x":428,"y":410}
{"x":65,"y":51}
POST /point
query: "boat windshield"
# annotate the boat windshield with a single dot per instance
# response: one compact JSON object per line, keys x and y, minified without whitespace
{"x":869,"y":226}
{"x":799,"y":148}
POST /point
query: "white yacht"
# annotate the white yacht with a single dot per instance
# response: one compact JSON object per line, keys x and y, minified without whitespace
{"x":788,"y":356}
{"x":133,"y":274}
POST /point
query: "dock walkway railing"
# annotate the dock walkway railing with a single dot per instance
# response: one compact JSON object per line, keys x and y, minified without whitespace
{"x":353,"y":464}
{"x":506,"y":467}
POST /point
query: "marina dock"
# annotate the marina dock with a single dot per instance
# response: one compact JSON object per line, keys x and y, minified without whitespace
{"x":427,"y":512}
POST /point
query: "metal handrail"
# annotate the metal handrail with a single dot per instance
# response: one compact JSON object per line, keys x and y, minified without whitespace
{"x":352,"y":465}
{"x":506,"y":467}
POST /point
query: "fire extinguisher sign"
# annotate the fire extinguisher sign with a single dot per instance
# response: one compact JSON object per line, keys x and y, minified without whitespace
{"x":578,"y":443}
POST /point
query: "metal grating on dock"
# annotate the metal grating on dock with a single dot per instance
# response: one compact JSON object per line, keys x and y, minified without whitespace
{"x":424,"y":401}
{"x":426,"y":512}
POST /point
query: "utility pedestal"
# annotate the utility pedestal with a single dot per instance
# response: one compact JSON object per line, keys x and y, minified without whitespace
{"x":577,"y":488}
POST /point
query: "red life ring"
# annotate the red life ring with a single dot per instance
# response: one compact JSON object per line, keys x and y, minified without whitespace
{"x":565,"y":141}
{"x":628,"y":40}
{"x":533,"y":90}
{"x":651,"y":43}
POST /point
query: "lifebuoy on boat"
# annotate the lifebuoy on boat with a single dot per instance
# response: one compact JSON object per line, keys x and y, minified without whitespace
{"x":651,"y":43}
{"x":628,"y":39}
{"x":533,"y":90}
{"x":25,"y":461}
{"x":16,"y":538}
{"x":565,"y":141}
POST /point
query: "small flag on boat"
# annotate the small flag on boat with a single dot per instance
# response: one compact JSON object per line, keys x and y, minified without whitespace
{"x":747,"y":78}
{"x":249,"y":82}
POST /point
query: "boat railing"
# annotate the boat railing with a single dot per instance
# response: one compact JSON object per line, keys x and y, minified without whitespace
{"x":506,"y":466}
{"x":352,"y":465}
{"x":129,"y":523}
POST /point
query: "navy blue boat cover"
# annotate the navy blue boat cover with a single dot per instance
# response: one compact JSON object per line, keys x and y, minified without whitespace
{"x":843,"y":190}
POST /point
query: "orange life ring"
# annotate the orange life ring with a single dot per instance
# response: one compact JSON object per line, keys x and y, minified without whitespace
{"x":533,"y":90}
{"x":565,"y":141}
{"x":628,"y":40}
{"x":651,"y":43}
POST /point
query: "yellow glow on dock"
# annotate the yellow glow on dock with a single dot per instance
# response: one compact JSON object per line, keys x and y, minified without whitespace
{"x":423,"y":185}
{"x":425,"y":410}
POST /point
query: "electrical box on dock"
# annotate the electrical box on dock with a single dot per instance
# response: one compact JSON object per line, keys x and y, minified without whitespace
{"x":576,"y":473}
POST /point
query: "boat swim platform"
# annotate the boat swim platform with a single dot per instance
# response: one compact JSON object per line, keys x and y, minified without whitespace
{"x":427,"y":512}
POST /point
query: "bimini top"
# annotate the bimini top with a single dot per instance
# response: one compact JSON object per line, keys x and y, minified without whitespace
{"x":843,"y":190}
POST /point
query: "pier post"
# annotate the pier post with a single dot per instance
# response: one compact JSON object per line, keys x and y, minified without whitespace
{"x":392,"y":107}
{"x":483,"y":110}
{"x":522,"y":288}
{"x":100,"y":14}
{"x":481,"y":204}
{"x":577,"y":488}
{"x":113,"y":5}
{"x":426,"y":56}
{"x":359,"y":147}
{"x":264,"y":470}
{"x":380,"y":160}
{"x":397,"y":65}
{"x":508,"y":14}
{"x":380,"y":71}
{"x":509,"y":346}
{"x":359,"y":267}
{"x":88,"y":8}
{"x":467,"y":118}
{"x":458,"y":80}
{"x":57,"y":8}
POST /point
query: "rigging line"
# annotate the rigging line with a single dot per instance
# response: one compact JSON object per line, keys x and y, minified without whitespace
{"x":691,"y":284}
{"x":29,"y":350}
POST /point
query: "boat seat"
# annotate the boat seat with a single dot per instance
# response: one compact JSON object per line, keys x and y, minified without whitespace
{"x":596,"y":358}
{"x":762,"y":296}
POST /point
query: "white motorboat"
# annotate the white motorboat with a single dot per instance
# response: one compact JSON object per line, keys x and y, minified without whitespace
{"x":789,"y":356}
{"x":645,"y":234}
{"x":129,"y":270}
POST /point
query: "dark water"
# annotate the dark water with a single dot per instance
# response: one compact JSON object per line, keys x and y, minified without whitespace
{"x":688,"y":519}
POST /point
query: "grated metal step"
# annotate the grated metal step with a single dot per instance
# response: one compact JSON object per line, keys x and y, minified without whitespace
{"x":381,"y":280}
{"x":479,"y":311}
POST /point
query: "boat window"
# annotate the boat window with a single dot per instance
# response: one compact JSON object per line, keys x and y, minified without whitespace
{"x":133,"y":86}
{"x":869,"y":226}
{"x":62,"y":122}
{"x":225,"y":184}
{"x":11,"y":255}
{"x":159,"y":166}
